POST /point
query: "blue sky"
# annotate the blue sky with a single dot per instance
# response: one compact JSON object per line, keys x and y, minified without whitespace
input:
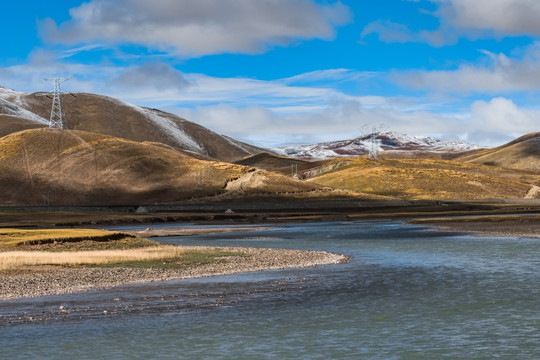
{"x":281,"y":72}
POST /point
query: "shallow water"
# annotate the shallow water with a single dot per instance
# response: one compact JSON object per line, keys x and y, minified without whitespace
{"x":407,"y":293}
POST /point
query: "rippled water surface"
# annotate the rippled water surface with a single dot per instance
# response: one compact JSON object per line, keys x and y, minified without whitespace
{"x":407,"y":293}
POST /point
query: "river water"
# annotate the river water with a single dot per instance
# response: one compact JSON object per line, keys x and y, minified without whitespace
{"x":406,"y":293}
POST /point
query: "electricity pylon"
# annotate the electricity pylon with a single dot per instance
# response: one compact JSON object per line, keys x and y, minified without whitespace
{"x":57,"y":114}
{"x":373,"y":147}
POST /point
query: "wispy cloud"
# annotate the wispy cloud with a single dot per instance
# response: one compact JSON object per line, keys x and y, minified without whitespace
{"x":156,"y":75}
{"x":332,"y":76}
{"x":391,"y":32}
{"x":499,"y":73}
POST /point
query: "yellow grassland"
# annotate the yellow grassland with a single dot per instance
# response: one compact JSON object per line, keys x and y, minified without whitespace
{"x":428,"y":179}
{"x":19,"y":259}
{"x":19,"y":237}
{"x":10,"y":145}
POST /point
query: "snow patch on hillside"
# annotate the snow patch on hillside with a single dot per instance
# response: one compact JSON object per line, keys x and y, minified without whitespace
{"x":173,"y":130}
{"x":383,"y":141}
{"x":236,"y":144}
{"x":9,"y":108}
{"x":6,"y":93}
{"x":168,"y":126}
{"x":14,"y":97}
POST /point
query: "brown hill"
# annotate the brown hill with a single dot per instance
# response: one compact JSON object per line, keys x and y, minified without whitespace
{"x":10,"y":124}
{"x":108,"y":116}
{"x":280,"y":164}
{"x":427,"y":179}
{"x":522,"y":153}
{"x":50,"y":166}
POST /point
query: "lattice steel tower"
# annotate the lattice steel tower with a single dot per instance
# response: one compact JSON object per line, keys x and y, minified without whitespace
{"x":57,"y":119}
{"x":374,"y":147}
{"x":373,"y":144}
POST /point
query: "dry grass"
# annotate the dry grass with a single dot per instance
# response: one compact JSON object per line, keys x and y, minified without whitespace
{"x":522,"y":153}
{"x":78,"y":168}
{"x":156,"y":257}
{"x":428,"y":179}
{"x":17,"y":259}
{"x":27,"y":249}
{"x":18,"y":237}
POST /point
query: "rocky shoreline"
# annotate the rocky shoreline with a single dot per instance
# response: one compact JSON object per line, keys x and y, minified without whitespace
{"x":54,"y":280}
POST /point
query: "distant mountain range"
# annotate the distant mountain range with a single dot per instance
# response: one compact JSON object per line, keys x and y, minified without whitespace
{"x":384,"y":141}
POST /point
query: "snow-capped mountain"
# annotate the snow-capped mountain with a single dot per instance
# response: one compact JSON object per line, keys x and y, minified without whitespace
{"x":383,"y":141}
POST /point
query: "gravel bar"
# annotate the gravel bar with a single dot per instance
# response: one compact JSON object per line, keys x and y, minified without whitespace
{"x":55,"y":280}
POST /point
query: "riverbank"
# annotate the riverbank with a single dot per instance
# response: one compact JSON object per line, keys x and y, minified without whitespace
{"x":183,"y":231}
{"x":520,"y":225}
{"x":55,"y":280}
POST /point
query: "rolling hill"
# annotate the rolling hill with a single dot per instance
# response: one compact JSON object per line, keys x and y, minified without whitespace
{"x":121,"y":154}
{"x":280,"y":164}
{"x":426,"y":179}
{"x":75,"y":168}
{"x":109,"y":116}
{"x":522,"y":153}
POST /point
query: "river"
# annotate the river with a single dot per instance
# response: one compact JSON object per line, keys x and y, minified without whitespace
{"x":406,"y":293}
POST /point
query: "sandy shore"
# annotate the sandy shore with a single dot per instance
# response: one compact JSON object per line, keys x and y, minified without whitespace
{"x":59,"y":280}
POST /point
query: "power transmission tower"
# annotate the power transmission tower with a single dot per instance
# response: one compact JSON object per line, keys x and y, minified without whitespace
{"x":373,"y":145}
{"x":373,"y":148}
{"x":294,"y":170}
{"x":57,"y":119}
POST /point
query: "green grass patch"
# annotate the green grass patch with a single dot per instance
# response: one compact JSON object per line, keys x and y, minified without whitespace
{"x":188,"y":259}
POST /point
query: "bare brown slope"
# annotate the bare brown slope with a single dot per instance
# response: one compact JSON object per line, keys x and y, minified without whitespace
{"x":50,"y":166}
{"x":522,"y":153}
{"x":280,"y":164}
{"x":10,"y":124}
{"x":108,"y":116}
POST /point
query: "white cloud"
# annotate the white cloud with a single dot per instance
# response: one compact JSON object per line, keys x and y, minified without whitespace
{"x":504,"y":116}
{"x":391,"y":32}
{"x":486,"y":123}
{"x":29,"y":77}
{"x":338,"y":119}
{"x":158,"y":76}
{"x":513,"y":17}
{"x":194,"y":28}
{"x":499,"y":74}
{"x":469,"y":18}
{"x":283,"y":111}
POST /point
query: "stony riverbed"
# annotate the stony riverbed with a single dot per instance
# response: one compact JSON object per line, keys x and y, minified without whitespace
{"x":54,"y":280}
